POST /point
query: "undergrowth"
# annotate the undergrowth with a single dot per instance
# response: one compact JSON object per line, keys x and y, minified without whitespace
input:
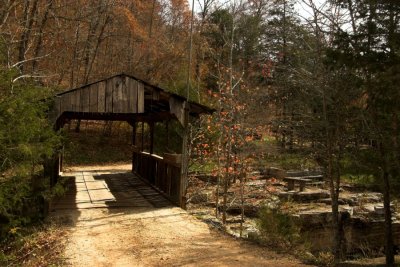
{"x":23,"y":201}
{"x":40,"y":245}
{"x":278,"y":229}
{"x":25,"y":239}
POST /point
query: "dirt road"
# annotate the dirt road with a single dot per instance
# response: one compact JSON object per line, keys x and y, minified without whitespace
{"x":114,"y":219}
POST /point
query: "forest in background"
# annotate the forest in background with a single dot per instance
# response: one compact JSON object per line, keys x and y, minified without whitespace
{"x":324,"y":82}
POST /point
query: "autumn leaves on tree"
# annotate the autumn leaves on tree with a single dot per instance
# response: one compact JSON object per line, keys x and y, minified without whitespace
{"x":69,"y":44}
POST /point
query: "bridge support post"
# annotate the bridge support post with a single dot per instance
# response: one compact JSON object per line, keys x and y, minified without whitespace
{"x":185,"y":157}
{"x":134,"y":128}
{"x":151,"y":125}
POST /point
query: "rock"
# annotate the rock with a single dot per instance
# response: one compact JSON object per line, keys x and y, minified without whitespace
{"x":328,"y":201}
{"x":309,"y":256}
{"x":198,"y":198}
{"x":256,"y":183}
{"x":372,"y":197}
{"x":314,"y":219}
{"x":210,"y":204}
{"x":380,"y":209}
{"x":320,"y":219}
{"x":215,"y":223}
{"x":236,"y":219}
{"x":255,"y":173}
{"x":211,"y":179}
{"x":352,"y":201}
{"x":249,"y":210}
{"x":349,"y":210}
{"x":367,"y":233}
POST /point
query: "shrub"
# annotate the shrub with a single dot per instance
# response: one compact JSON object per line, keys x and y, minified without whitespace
{"x":277,"y":228}
{"x":27,"y":139}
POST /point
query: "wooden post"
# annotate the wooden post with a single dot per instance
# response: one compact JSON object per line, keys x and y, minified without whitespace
{"x":61,"y":158}
{"x":151,"y":124}
{"x":52,"y":167}
{"x":56,"y":167}
{"x":142,"y":136}
{"x":133,"y":144}
{"x":134,"y":133}
{"x":167,"y":135}
{"x":185,"y":158}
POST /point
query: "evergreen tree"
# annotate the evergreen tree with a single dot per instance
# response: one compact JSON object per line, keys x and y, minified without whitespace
{"x":27,"y":139}
{"x":371,"y":48}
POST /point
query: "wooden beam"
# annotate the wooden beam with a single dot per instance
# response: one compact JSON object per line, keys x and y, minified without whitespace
{"x":146,"y":117}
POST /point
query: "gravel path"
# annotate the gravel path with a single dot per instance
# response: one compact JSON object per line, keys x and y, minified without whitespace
{"x":134,"y":226}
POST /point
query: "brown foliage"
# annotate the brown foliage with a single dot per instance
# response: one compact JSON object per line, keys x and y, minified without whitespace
{"x":69,"y":43}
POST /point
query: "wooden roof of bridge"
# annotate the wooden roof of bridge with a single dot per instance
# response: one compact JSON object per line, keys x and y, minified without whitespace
{"x":123,"y":97}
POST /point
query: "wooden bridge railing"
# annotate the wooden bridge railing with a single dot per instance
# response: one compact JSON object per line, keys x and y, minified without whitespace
{"x":162,"y":173}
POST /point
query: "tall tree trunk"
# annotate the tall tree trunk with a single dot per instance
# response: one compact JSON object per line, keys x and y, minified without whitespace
{"x":6,"y":10}
{"x":29,"y":15}
{"x":225,"y":196}
{"x":150,"y":33}
{"x":334,"y":183}
{"x":74,"y":61}
{"x":96,"y":49}
{"x":88,"y":48}
{"x":219,"y":149}
{"x":228,"y":164}
{"x":40,"y":35}
{"x":242,"y":182}
{"x":336,"y":224}
{"x":389,"y":249}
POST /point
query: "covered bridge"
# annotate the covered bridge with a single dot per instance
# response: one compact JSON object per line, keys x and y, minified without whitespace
{"x":126,"y":98}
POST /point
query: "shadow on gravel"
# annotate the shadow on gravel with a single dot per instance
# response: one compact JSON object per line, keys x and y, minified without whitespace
{"x":118,"y":191}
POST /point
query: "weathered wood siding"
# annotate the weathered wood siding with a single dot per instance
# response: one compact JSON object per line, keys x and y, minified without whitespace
{"x":119,"y":94}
